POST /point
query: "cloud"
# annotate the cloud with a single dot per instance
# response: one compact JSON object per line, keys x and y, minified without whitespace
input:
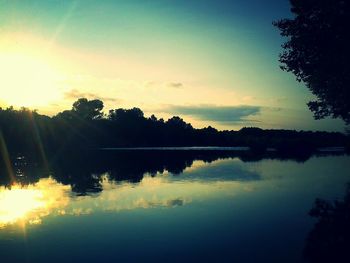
{"x":216,"y":113}
{"x":76,"y":94}
{"x":173,"y":85}
{"x":176,"y":85}
{"x":280,"y":99}
{"x":248,"y":98}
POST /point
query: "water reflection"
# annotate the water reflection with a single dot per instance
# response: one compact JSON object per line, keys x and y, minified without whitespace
{"x":29,"y":204}
{"x":119,"y":180}
{"x":329,"y":240}
{"x":211,"y":206}
{"x":23,"y":205}
{"x":83,"y":171}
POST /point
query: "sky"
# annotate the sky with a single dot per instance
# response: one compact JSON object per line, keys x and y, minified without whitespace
{"x":211,"y":62}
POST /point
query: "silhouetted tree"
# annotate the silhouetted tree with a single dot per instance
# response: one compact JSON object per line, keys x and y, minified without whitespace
{"x":85,"y":127}
{"x":177,"y":123}
{"x":125,"y":114}
{"x":317,"y":53}
{"x":88,"y":109}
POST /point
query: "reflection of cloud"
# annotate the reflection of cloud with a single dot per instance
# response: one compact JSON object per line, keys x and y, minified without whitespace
{"x":151,"y":192}
{"x":143,"y":203}
{"x":222,"y":170}
{"x":76,"y":94}
{"x":175,"y":202}
{"x":215,"y":113}
{"x":31,"y":203}
{"x":81,"y":211}
{"x":48,"y":198}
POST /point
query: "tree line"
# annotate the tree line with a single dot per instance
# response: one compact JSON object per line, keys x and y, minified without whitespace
{"x":85,"y":126}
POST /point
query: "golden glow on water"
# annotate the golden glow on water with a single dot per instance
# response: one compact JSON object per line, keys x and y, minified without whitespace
{"x":29,"y":204}
{"x":20,"y":206}
{"x":17,"y":203}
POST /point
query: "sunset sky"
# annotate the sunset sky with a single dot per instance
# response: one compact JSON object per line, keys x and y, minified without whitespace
{"x":212,"y":62}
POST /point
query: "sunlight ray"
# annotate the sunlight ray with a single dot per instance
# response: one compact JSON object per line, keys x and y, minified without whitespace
{"x":6,"y":158}
{"x":38,"y":141}
{"x":59,"y":29}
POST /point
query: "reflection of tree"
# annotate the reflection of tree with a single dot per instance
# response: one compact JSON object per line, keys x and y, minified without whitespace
{"x":329,"y":240}
{"x":22,"y":172}
{"x":83,"y":170}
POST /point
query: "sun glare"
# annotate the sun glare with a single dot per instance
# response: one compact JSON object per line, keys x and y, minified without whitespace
{"x":29,"y":204}
{"x":27,"y":81}
{"x":16,"y":203}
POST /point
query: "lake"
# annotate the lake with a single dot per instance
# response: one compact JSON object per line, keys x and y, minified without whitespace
{"x":165,"y":206}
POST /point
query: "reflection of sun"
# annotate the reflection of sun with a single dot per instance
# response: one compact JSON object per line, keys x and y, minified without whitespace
{"x":17,"y":203}
{"x":31,"y":203}
{"x":27,"y":81}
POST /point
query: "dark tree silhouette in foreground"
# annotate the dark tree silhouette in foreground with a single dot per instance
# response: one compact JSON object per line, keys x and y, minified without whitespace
{"x":329,"y":240}
{"x":317,"y":53}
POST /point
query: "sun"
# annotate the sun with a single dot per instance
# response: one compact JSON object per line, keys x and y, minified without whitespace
{"x":27,"y":81}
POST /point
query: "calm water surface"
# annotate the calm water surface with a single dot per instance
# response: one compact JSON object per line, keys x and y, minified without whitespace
{"x":222,"y":210}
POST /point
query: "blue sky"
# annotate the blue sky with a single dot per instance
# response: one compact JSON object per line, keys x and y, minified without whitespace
{"x":202,"y":60}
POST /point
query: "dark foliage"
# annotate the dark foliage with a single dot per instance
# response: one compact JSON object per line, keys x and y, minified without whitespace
{"x":84,"y":170}
{"x":317,"y":53}
{"x":67,"y":145}
{"x":329,"y":240}
{"x":24,"y":132}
